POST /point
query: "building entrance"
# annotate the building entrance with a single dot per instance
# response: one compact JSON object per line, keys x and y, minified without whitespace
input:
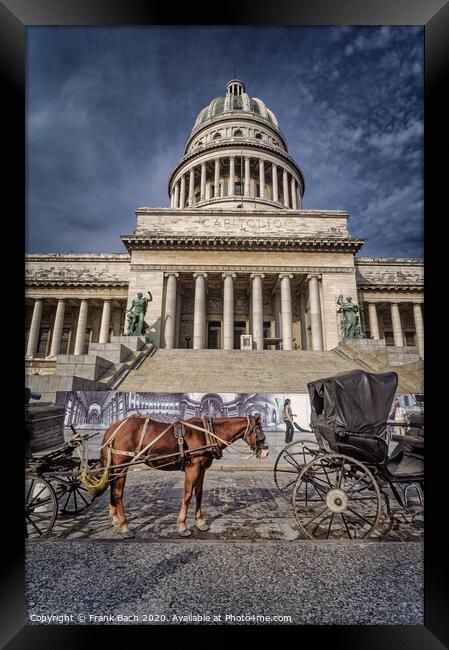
{"x":239,"y":329}
{"x":214,"y":335}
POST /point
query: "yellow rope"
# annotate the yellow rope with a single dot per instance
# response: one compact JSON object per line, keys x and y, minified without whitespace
{"x":96,"y":485}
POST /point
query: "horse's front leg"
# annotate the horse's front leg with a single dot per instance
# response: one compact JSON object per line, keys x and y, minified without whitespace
{"x":200,"y":522}
{"x":191,"y":475}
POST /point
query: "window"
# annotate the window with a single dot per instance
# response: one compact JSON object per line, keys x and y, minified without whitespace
{"x":238,"y":134}
{"x":238,"y":189}
{"x":217,"y":136}
{"x":410,"y":339}
{"x":42,"y":343}
{"x":258,"y":136}
{"x":389,"y":338}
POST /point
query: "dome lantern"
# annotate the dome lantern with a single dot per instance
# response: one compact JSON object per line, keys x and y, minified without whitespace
{"x":235,"y":87}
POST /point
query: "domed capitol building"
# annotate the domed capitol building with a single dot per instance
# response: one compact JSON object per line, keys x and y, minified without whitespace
{"x":244,"y":286}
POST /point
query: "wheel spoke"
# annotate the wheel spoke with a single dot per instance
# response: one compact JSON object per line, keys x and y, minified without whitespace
{"x":357,"y":514}
{"x":346,"y":526}
{"x":330,"y":526}
{"x":36,"y":496}
{"x":80,"y":494}
{"x":39,"y":532}
{"x":39,"y":504}
{"x":67,"y":500}
{"x":316,"y":516}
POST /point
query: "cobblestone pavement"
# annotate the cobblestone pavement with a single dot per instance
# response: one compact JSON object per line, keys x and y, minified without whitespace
{"x":238,"y":505}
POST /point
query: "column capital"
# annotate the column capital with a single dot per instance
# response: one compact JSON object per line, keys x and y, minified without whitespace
{"x":168,"y":273}
{"x":196,"y":275}
{"x":309,"y":277}
{"x":257,"y":275}
{"x":286,"y":275}
{"x":228,"y":274}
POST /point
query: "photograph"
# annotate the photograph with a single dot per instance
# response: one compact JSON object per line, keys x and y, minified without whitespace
{"x":224,"y":281}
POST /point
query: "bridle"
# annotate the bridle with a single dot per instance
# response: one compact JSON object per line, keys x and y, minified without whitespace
{"x":251,"y":428}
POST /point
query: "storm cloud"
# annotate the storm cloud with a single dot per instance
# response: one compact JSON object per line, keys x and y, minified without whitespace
{"x":109,"y":111}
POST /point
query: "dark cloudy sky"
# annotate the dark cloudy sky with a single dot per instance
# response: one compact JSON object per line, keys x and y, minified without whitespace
{"x":109,"y":111}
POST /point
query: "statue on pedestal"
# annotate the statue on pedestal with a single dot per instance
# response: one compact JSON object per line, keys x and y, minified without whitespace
{"x":350,"y":322}
{"x":136,"y":325}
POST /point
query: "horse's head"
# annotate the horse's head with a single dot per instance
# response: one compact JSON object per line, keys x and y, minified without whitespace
{"x":255,"y":437}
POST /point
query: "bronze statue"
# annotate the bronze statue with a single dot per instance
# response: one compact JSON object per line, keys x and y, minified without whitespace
{"x":136,"y":315}
{"x":350,"y":322}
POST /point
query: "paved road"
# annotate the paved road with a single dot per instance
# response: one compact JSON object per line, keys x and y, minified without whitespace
{"x":301,"y":582}
{"x":251,"y":562}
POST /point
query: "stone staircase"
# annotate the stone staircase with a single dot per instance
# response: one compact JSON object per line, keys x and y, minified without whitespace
{"x":234,"y":371}
{"x":373,"y":357}
{"x":103,"y":368}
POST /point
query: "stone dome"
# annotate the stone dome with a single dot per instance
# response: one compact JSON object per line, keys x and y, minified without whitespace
{"x":236,"y":156}
{"x":235,"y":101}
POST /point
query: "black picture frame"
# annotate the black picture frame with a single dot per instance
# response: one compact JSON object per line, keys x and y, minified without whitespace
{"x":15,"y":17}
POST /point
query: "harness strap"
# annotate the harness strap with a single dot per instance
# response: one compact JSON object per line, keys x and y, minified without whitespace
{"x":111,"y":439}
{"x":142,"y":435}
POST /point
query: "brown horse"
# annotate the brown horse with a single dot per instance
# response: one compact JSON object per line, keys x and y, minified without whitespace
{"x":156,"y":443}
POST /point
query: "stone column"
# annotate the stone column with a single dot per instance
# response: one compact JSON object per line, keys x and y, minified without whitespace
{"x":203,"y":181}
{"x":293,"y":192}
{"x":231,"y":190}
{"x":246,"y":192}
{"x":419,"y":328}
{"x":57,"y":328}
{"x":228,"y":310}
{"x":285,"y":187}
{"x":81,"y":328}
{"x":373,"y":322}
{"x":199,"y":314}
{"x":191,"y":182}
{"x":178,"y":316}
{"x":176,"y":201}
{"x":170,"y":309}
{"x":397,"y":326}
{"x":262,"y":177}
{"x":34,"y":328}
{"x":302,"y":318}
{"x":286,"y":306}
{"x":105,"y":322}
{"x":315,"y":312}
{"x":182,"y":200}
{"x":217,"y":177}
{"x":277,"y":313}
{"x":275,"y":183}
{"x":257,"y":303}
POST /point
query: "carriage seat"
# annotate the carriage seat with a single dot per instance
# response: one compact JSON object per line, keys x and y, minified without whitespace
{"x":406,"y":464}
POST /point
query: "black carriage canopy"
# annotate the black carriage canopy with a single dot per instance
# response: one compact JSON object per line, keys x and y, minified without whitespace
{"x":356,"y":402}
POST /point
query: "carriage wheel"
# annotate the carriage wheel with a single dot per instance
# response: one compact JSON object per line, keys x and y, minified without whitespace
{"x":72,"y":496}
{"x":290,"y":462}
{"x":41,"y":506}
{"x":336,"y":497}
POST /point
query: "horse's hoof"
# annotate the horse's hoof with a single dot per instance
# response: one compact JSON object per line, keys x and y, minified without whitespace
{"x":201,"y":525}
{"x":184,"y":531}
{"x":127,"y":532}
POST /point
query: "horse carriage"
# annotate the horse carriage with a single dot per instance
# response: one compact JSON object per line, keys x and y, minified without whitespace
{"x":60,"y":481}
{"x":53,"y":485}
{"x":340,"y":478}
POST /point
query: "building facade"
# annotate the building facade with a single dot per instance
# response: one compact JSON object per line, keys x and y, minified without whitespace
{"x":234,"y":253}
